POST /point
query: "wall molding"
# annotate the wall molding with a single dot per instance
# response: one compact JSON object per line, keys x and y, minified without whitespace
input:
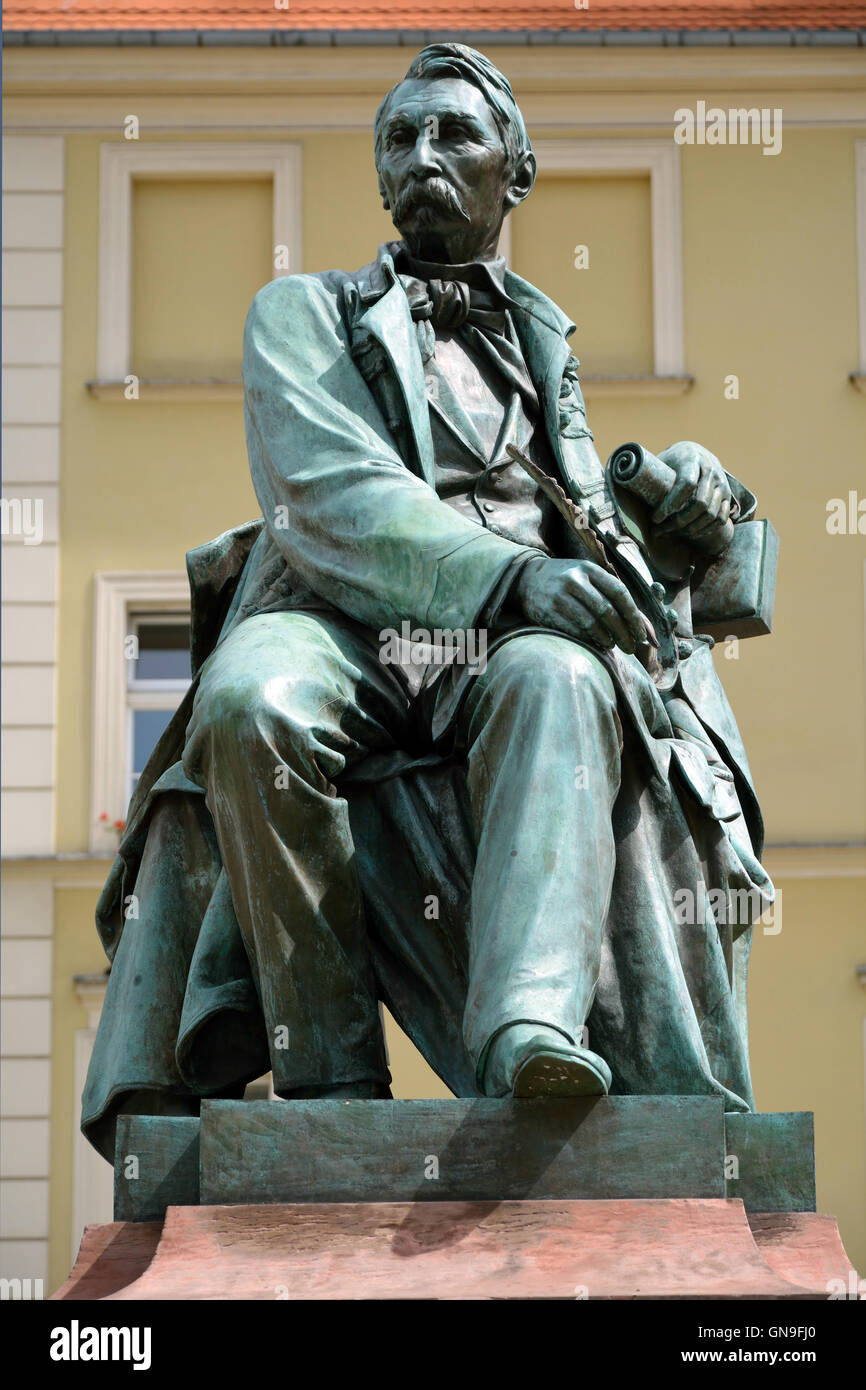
{"x":815,"y":861}
{"x":859,"y":378}
{"x":210,"y":389}
{"x":92,"y":1177}
{"x":122,"y":162}
{"x":279,"y":92}
{"x":28,"y":918}
{"x":33,"y":197}
{"x":598,"y":387}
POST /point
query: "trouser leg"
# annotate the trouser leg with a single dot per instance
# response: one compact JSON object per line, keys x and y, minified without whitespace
{"x":543,"y":743}
{"x":285,"y":705}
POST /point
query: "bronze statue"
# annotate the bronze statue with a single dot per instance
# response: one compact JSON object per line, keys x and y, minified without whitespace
{"x":453,"y":743}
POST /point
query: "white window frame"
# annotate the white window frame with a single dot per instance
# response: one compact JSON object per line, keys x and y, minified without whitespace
{"x":149,"y":694}
{"x":860,"y":183}
{"x":121,"y":163}
{"x":661,"y":160}
{"x":117,"y":596}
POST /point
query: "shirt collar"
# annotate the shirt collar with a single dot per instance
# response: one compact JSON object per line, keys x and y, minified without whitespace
{"x":481,"y":275}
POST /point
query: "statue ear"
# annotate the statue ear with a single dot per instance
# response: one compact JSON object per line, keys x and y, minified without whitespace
{"x":521,"y":181}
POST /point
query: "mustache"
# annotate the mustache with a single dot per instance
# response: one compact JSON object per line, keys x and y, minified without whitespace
{"x":428,"y":196}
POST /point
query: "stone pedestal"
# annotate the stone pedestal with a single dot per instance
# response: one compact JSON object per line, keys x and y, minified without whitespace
{"x":633,"y":1197}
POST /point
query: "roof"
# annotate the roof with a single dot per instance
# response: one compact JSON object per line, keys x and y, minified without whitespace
{"x":361,"y":20}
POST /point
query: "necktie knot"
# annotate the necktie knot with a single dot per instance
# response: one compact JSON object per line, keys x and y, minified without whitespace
{"x":450,"y":303}
{"x":451,"y":296}
{"x":471,"y":298}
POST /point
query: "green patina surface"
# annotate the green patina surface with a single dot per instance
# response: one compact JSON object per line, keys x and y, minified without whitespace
{"x":463,"y":1150}
{"x":546,"y":864}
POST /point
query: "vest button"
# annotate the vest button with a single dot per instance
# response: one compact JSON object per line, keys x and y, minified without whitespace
{"x":489,"y":506}
{"x":494,"y":530}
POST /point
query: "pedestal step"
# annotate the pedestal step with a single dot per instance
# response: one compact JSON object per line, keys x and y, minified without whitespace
{"x":604,"y":1249}
{"x":110,"y":1257}
{"x":463,"y":1150}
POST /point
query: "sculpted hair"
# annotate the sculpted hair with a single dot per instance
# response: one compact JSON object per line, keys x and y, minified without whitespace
{"x":456,"y":60}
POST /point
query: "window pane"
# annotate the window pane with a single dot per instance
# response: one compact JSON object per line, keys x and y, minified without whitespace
{"x":163,"y":651}
{"x":147,"y":727}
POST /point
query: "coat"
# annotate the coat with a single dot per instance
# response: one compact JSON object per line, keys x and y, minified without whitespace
{"x":341,"y":456}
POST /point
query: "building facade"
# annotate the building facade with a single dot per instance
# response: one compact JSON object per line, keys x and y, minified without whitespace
{"x":701,"y":214}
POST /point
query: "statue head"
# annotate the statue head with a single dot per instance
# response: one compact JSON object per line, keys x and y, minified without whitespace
{"x":452,"y":154}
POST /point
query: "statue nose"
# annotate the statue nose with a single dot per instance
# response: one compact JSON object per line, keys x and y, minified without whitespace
{"x":424,"y":160}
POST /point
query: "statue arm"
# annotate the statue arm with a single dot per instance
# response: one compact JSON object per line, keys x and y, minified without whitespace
{"x":365,"y":534}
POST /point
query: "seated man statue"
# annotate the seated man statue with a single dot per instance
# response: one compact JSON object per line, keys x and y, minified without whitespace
{"x":452,"y":743}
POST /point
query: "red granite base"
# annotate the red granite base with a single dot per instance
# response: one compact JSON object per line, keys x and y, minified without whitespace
{"x":623,"y":1249}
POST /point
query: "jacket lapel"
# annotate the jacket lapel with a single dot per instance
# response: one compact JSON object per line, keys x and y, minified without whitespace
{"x":543,"y":330}
{"x":389,"y":321}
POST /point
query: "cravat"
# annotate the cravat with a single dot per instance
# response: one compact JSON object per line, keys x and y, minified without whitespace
{"x":469,"y":299}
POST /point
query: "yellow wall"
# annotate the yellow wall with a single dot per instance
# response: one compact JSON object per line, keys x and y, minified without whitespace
{"x":200,"y":250}
{"x":770,"y":276}
{"x":143,"y":483}
{"x":769,"y":295}
{"x":610,"y":296}
{"x":807,"y":1035}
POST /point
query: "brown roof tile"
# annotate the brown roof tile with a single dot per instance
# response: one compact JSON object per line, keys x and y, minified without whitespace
{"x":458,"y":15}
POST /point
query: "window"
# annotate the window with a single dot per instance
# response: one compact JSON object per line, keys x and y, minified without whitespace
{"x":611,"y":297}
{"x":140,"y":672}
{"x":201,"y":249}
{"x":130,"y":210}
{"x":656,"y":322}
{"x":159,"y":673}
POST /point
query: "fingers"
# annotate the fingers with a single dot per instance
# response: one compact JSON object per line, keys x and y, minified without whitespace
{"x":716,"y":515}
{"x":700,"y":495}
{"x":610,"y":620}
{"x":619,"y":596}
{"x":577,"y":619}
{"x":688,"y":477}
{"x":583,"y":600}
{"x":612,"y":614}
{"x":698,"y":506}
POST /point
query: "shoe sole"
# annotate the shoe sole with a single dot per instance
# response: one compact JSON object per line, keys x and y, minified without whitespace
{"x":547,"y":1073}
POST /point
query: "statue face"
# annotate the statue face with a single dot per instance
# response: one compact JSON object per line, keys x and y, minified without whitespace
{"x":445,"y":171}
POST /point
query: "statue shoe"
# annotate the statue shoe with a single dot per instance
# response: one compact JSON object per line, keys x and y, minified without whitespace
{"x":528,"y":1060}
{"x":545,"y":1069}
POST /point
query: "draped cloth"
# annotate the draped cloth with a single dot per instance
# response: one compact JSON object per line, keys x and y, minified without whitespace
{"x":182,"y":1017}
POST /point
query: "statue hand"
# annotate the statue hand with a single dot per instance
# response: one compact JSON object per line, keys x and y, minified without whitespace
{"x":581,"y":599}
{"x":698,"y":505}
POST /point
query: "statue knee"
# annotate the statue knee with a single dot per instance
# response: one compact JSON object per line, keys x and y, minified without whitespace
{"x":256,"y":724}
{"x":237,"y":712}
{"x":542,"y":663}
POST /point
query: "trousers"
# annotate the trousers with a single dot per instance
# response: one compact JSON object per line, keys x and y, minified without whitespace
{"x":287,"y":704}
